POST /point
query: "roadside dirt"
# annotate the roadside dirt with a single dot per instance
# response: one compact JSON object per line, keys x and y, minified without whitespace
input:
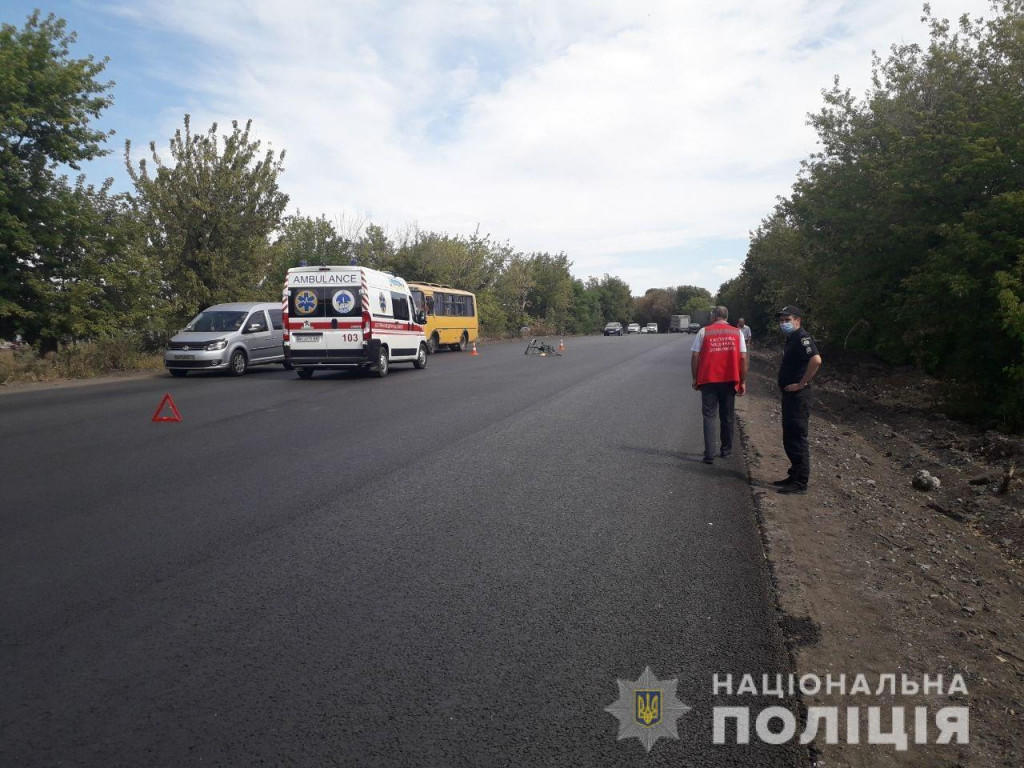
{"x":877,"y":577}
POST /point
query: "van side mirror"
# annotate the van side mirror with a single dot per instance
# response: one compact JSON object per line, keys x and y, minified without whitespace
{"x":420,"y":317}
{"x":254,"y":327}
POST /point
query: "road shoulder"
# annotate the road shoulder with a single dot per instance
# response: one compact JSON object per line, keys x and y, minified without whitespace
{"x":876,"y":577}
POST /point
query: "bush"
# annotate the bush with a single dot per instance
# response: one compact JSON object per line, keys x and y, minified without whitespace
{"x":25,"y":364}
{"x":80,"y":360}
{"x":107,"y":355}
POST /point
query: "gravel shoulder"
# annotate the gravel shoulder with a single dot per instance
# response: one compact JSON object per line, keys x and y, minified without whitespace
{"x":875,"y":576}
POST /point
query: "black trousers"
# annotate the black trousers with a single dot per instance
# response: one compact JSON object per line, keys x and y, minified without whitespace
{"x":796,"y":411}
{"x":718,"y":399}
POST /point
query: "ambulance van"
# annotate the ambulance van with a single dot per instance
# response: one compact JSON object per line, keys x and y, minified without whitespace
{"x":350,"y":317}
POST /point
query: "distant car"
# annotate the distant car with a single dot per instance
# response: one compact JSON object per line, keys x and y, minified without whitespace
{"x":652,"y":327}
{"x":643,"y":329}
{"x":634,"y":328}
{"x":693,"y":328}
{"x":228,"y":337}
{"x":613,"y":329}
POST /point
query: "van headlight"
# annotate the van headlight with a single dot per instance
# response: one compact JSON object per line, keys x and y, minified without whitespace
{"x":213,"y":346}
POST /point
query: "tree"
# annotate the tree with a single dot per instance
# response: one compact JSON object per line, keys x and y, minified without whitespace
{"x":512,"y":290}
{"x":374,"y":249}
{"x":552,"y":292}
{"x":912,"y":213}
{"x":684,"y":294}
{"x":614,"y":298}
{"x":47,"y":100}
{"x":585,"y":311}
{"x":655,"y":306}
{"x":302,"y":239}
{"x":209,"y":215}
{"x":94,"y":278}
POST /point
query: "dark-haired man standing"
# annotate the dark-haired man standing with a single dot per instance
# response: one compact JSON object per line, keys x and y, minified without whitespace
{"x":800,"y":363}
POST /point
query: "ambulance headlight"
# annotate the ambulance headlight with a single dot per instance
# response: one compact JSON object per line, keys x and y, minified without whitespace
{"x":213,"y":346}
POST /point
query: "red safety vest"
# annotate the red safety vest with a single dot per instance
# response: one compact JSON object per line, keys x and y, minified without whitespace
{"x":719,"y":356}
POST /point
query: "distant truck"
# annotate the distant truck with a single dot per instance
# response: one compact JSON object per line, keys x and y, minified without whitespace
{"x":702,"y":317}
{"x":679,"y":324}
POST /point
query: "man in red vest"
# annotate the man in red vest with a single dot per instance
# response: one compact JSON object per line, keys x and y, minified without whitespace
{"x":718,"y":361}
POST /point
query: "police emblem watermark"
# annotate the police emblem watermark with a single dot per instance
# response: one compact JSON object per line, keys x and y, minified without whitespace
{"x":647,"y":708}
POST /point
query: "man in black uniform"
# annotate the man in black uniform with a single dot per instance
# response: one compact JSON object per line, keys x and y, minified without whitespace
{"x":800,"y":363}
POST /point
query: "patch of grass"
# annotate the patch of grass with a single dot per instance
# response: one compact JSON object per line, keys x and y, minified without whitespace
{"x":81,"y":360}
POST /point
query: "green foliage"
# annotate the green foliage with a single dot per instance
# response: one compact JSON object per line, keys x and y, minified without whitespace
{"x":689,"y":297}
{"x":613,"y":298}
{"x":904,"y":234}
{"x":512,"y":291}
{"x":302,"y":239}
{"x":657,"y":305}
{"x":209,"y":216}
{"x":584,"y":311}
{"x":92,"y":278}
{"x":551,"y":297}
{"x":47,"y":100}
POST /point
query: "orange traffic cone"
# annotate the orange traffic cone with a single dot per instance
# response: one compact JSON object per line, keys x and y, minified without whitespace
{"x":474,"y":353}
{"x":561,"y":345}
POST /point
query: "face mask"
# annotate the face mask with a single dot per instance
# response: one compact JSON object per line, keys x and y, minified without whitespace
{"x":786,"y":327}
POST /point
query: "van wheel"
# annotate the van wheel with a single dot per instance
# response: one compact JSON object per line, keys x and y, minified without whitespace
{"x":238,"y":363}
{"x":178,"y":372}
{"x":432,"y":344}
{"x":304,"y":373}
{"x":421,"y":357}
{"x":383,"y":363}
{"x":462,"y":345}
{"x":287,"y":365}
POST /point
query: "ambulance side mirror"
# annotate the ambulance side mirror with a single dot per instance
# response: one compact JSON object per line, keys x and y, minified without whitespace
{"x":420,"y":317}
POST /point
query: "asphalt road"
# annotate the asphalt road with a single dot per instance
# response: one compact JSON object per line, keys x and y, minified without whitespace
{"x":447,"y":567}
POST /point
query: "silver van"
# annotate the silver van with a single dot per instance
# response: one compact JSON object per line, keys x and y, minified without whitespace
{"x":228,"y":337}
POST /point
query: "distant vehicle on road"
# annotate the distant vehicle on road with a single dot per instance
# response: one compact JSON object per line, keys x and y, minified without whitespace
{"x":634,"y":328}
{"x":613,"y":329}
{"x":351,"y":317}
{"x":228,"y":337}
{"x":652,"y":328}
{"x":702,"y":317}
{"x":694,"y":328}
{"x":679,"y":324}
{"x":451,"y":316}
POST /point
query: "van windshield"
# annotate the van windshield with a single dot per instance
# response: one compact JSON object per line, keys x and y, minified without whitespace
{"x":216,"y":320}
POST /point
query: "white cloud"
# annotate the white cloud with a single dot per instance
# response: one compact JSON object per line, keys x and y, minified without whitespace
{"x":597,"y":128}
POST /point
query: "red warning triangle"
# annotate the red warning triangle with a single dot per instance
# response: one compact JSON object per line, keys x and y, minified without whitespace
{"x":168,"y":400}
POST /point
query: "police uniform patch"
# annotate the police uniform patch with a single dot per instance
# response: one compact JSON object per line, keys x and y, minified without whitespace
{"x":305,"y":302}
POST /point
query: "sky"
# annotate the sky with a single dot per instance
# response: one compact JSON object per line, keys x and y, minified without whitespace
{"x":643,"y":138}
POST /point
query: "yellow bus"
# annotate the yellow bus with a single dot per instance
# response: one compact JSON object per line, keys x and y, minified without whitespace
{"x":451,"y":315}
